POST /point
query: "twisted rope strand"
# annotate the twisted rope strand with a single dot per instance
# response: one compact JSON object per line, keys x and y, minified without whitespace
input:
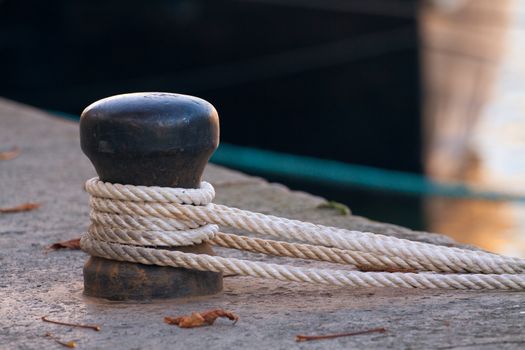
{"x":428,"y":256}
{"x":433,"y":256}
{"x":153,"y":237}
{"x":126,"y":219}
{"x":306,"y":251}
{"x":202,"y":262}
{"x":195,"y":196}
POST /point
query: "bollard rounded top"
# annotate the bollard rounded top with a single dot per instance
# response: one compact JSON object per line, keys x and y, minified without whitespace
{"x":151,"y":138}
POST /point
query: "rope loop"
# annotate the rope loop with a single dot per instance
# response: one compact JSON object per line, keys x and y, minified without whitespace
{"x":200,"y":196}
{"x":139,"y":223}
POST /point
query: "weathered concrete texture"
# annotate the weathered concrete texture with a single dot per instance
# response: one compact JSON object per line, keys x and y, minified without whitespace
{"x":51,"y":170}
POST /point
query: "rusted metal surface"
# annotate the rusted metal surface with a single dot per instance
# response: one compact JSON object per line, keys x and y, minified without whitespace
{"x":128,"y":281}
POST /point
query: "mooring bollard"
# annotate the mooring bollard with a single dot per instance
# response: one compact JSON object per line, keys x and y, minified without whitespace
{"x":149,"y":139}
{"x":150,"y":208}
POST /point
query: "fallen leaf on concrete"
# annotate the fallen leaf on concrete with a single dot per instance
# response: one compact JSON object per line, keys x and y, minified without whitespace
{"x":71,"y":244}
{"x":69,"y":344}
{"x":300,"y":338}
{"x":342,"y":208}
{"x":94,"y":327}
{"x":198,"y":319}
{"x":11,"y":154}
{"x":20,"y":208}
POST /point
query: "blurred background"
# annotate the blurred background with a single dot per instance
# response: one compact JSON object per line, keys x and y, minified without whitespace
{"x":407,"y":111}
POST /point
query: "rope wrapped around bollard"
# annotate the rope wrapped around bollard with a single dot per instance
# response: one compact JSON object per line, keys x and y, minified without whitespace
{"x":137,"y":224}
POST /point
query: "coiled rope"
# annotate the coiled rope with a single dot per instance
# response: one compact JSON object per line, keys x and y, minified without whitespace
{"x":137,"y":224}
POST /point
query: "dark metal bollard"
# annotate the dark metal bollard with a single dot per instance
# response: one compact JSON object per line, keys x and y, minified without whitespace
{"x":150,"y":139}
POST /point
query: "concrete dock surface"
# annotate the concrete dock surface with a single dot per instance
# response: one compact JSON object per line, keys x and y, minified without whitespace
{"x":51,"y":171}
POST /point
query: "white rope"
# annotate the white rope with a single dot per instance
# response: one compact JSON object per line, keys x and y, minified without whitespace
{"x":128,"y":222}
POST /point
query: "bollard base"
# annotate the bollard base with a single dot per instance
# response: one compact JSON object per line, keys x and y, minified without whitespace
{"x":118,"y":281}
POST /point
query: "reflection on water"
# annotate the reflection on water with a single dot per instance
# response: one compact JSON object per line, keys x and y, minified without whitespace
{"x":495,"y":226}
{"x":496,"y":139}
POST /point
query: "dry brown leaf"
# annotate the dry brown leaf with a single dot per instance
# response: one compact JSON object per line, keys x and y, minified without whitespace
{"x":199,"y":319}
{"x":11,"y":154}
{"x":71,"y":244}
{"x":20,"y":208}
{"x":69,"y":344}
